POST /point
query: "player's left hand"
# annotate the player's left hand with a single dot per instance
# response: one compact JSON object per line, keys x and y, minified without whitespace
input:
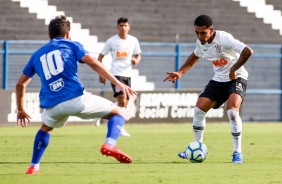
{"x":23,"y":119}
{"x":102,"y":80}
{"x":232,"y":74}
{"x":133,"y":61}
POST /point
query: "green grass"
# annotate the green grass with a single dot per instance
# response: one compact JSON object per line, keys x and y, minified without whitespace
{"x":73,"y":155}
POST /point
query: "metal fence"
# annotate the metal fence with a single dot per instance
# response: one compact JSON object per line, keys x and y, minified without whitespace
{"x":264,"y":84}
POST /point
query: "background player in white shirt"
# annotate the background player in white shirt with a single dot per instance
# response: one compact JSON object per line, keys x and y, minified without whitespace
{"x":63,"y":95}
{"x":125,"y":51}
{"x":227,"y":55}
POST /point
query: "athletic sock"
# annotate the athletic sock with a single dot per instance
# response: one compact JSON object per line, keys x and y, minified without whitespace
{"x":123,"y":108}
{"x":236,"y":129}
{"x":41,"y":142}
{"x":124,"y":113}
{"x":199,"y":123}
{"x":115,"y":124}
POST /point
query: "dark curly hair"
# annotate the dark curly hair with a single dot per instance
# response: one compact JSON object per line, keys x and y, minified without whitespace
{"x":58,"y":26}
{"x":203,"y":20}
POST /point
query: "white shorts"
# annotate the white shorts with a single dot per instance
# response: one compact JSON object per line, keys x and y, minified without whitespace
{"x":86,"y":106}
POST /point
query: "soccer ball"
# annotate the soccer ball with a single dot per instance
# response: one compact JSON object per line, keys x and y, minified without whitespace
{"x":196,"y":152}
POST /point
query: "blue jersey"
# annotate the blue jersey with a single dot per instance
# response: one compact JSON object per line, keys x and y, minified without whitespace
{"x":56,"y":65}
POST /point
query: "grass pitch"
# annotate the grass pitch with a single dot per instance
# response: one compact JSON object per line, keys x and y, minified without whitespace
{"x":73,"y":155}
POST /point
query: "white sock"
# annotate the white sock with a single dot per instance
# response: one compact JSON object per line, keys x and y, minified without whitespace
{"x":123,"y":110}
{"x":36,"y":166}
{"x":199,"y":124}
{"x":236,"y":129}
{"x":110,"y":141}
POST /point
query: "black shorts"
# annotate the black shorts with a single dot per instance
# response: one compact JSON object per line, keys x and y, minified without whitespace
{"x":124,"y":80}
{"x":220,"y":91}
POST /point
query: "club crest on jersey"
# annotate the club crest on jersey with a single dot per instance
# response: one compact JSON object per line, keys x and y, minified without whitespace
{"x":218,"y":49}
{"x":57,"y":85}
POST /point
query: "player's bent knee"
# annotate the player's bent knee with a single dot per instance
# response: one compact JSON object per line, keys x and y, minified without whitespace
{"x":233,"y":114}
{"x":115,"y":111}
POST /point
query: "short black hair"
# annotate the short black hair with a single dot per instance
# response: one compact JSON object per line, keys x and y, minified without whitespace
{"x":203,"y":20}
{"x":58,"y":26}
{"x":122,"y":20}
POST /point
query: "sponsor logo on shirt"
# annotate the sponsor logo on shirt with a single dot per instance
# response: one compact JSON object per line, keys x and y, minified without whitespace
{"x":220,"y":62}
{"x":57,"y":85}
{"x":121,"y":54}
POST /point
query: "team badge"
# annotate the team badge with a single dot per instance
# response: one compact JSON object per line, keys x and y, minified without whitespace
{"x":218,"y":49}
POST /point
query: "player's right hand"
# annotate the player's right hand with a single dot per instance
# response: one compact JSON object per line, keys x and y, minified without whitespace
{"x":23,"y":119}
{"x":102,"y":80}
{"x":172,"y":76}
{"x":127,"y":91}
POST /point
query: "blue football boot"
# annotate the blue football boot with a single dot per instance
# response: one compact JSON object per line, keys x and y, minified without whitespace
{"x":237,"y":158}
{"x":182,"y":155}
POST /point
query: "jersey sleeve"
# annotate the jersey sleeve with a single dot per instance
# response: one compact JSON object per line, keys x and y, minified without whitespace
{"x":228,"y":41}
{"x":29,"y":69}
{"x":198,"y":51}
{"x":106,"y":48}
{"x":137,"y":49}
{"x":80,"y":51}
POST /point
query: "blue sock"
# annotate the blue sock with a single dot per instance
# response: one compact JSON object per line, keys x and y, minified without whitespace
{"x":41,"y":142}
{"x":115,"y":124}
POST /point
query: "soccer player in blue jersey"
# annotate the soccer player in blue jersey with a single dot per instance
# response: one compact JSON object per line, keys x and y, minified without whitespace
{"x":63,"y":95}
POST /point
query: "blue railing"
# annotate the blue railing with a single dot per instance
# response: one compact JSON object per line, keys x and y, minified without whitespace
{"x":264,"y":84}
{"x":168,"y":50}
{"x":8,"y":51}
{"x":179,"y":53}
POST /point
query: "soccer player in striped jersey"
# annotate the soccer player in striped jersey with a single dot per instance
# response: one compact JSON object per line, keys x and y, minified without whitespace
{"x":227,"y":56}
{"x":63,"y":95}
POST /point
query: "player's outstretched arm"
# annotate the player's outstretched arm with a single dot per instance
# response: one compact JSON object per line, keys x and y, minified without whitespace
{"x":23,"y":117}
{"x":174,"y":76}
{"x":104,"y":72}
